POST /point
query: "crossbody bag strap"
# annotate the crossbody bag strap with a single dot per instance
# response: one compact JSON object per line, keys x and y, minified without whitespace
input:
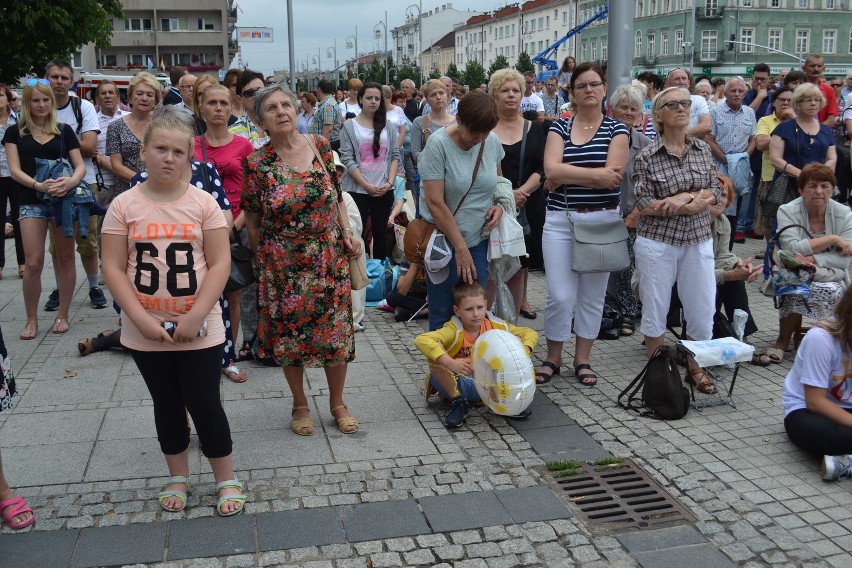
{"x":521,"y":179}
{"x":205,"y":178}
{"x":473,"y":179}
{"x":426,"y":131}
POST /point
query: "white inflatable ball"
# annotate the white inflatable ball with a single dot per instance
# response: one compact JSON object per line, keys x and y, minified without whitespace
{"x":503,"y":372}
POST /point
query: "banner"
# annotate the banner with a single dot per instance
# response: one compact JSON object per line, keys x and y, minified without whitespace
{"x":254,"y":34}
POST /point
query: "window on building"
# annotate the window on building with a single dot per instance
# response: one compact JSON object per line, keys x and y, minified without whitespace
{"x":681,"y":4}
{"x":828,"y":4}
{"x":604,"y":50}
{"x":178,"y":59}
{"x":76,"y":59}
{"x":594,"y":51}
{"x":206,"y":58}
{"x":774,"y":38}
{"x":109,"y":60}
{"x":747,"y":39}
{"x":775,"y":3}
{"x":803,"y":41}
{"x":565,"y":18}
{"x":174,"y":25}
{"x":653,"y":7}
{"x":829,"y":41}
{"x":709,"y":44}
{"x":652,"y":45}
{"x":206,"y":25}
{"x":136,"y":59}
{"x":640,"y":6}
{"x":745,"y":3}
{"x":804,"y":4}
{"x":547,"y":22}
{"x":584,"y":50}
{"x":137,"y":24}
{"x":678,"y":42}
{"x":541,"y":23}
{"x":637,"y":47}
{"x":664,"y":43}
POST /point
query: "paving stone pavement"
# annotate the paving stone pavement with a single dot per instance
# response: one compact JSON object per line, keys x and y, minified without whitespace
{"x":80,"y":445}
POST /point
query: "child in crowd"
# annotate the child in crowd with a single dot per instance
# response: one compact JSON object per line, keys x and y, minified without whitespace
{"x":166,"y":261}
{"x":448,"y":350}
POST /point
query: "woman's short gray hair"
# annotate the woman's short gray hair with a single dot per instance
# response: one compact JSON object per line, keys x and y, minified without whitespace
{"x":629,"y":93}
{"x":264,"y":93}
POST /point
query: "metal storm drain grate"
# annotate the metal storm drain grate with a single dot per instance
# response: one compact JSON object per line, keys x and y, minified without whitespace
{"x":614,"y":495}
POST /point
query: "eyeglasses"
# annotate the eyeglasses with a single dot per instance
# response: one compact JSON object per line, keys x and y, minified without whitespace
{"x":787,"y":100}
{"x":813,"y":101}
{"x":672,"y":105}
{"x":33,"y":82}
{"x":250,"y":92}
{"x":584,"y":86}
{"x":759,"y":78}
{"x":836,"y":85}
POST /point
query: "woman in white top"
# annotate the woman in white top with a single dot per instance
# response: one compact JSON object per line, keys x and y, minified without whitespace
{"x":395,"y":114}
{"x":351,"y":107}
{"x":369,"y":150}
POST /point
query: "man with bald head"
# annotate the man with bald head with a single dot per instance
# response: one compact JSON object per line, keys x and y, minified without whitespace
{"x":813,"y":68}
{"x":699,"y":114}
{"x":412,"y":108}
{"x":732,"y":143}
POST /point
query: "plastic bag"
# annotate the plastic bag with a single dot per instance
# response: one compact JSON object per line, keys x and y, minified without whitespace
{"x":500,"y":271}
{"x":739,"y":323}
{"x":506,"y":239}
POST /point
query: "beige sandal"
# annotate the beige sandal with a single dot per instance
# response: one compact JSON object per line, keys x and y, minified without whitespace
{"x":302,"y":426}
{"x":346,"y":424}
{"x":58,"y":321}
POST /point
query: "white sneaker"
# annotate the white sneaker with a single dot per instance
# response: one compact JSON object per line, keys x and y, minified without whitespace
{"x":837,"y":468}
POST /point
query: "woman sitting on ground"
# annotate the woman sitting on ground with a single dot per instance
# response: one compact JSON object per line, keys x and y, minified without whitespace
{"x":827,"y":243}
{"x":816,"y":398}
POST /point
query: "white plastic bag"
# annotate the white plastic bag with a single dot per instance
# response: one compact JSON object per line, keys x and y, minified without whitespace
{"x":506,"y":239}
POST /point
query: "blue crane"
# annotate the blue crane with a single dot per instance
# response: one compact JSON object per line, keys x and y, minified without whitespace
{"x":547,"y":58}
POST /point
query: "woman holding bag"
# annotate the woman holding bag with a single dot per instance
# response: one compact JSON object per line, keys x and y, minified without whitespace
{"x":299,"y":231}
{"x":584,"y":159}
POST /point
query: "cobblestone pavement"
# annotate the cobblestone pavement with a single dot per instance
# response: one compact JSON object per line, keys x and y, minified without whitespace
{"x":79,"y":444}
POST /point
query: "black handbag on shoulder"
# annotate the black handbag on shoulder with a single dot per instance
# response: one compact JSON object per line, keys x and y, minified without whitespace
{"x":242,"y":270}
{"x":663,"y":396}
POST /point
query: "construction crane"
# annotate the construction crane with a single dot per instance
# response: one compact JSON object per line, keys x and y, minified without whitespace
{"x":547,"y":58}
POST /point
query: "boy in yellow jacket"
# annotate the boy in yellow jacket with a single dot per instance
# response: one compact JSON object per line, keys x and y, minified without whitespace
{"x":448,"y":349}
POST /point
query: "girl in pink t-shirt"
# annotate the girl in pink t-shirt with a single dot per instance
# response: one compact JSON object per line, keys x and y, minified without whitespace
{"x":166,"y":261}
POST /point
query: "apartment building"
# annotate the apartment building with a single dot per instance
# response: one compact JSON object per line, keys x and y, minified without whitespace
{"x":436,"y":22}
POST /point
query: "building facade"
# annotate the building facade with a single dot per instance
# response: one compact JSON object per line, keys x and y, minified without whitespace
{"x":161,"y":34}
{"x":440,"y":55}
{"x":436,"y":24}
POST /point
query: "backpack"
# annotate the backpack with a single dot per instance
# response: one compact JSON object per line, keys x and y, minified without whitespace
{"x":76,"y":108}
{"x":382,"y":277}
{"x":664,"y":396}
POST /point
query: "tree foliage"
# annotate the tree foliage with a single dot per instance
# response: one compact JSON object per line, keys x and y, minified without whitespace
{"x":434,"y":74}
{"x":524,"y":63}
{"x":500,"y":62}
{"x":35,"y":33}
{"x":453,"y":72}
{"x":474,"y":74}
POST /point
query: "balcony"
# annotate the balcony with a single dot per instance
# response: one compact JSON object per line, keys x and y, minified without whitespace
{"x":646,"y":60}
{"x":181,"y":38}
{"x":710,"y":13}
{"x":705,"y":56}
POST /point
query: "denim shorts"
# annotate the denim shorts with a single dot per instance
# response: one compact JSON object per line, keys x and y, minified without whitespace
{"x":35,"y":211}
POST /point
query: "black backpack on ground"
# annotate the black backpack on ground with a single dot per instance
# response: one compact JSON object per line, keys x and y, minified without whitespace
{"x":663,"y":396}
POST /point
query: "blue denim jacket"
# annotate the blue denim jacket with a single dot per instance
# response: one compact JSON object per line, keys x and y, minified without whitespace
{"x":75,"y":205}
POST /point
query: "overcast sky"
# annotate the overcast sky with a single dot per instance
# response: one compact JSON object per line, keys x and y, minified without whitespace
{"x":317,"y":23}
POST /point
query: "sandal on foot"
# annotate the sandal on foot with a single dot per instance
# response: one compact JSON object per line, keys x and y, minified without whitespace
{"x":529,"y":314}
{"x":167,"y":493}
{"x":627,"y":329}
{"x":544,"y":378}
{"x":233,"y":374}
{"x":302,"y":426}
{"x":589,"y":378}
{"x":57,"y":322}
{"x":761,"y":359}
{"x":775,"y":355}
{"x":346,"y":424}
{"x":703,"y":385}
{"x":20,"y":272}
{"x":33,"y":327}
{"x":12,"y":508}
{"x":239,"y":499}
{"x":245,"y":353}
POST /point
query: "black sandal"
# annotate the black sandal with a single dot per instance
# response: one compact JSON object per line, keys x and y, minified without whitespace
{"x":583,"y":377}
{"x":245,"y":353}
{"x":542,"y":378}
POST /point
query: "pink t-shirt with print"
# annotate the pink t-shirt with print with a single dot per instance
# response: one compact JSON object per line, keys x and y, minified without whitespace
{"x":165,"y":260}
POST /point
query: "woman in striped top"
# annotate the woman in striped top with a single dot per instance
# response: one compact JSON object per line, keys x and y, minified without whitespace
{"x":584,"y":160}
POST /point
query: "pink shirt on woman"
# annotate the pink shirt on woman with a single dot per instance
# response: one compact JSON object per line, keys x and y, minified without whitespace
{"x":165,"y":260}
{"x":228,"y":160}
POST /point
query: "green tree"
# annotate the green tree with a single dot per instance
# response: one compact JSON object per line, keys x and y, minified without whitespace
{"x":524,"y":63}
{"x":434,"y":74}
{"x":500,"y":62}
{"x":453,"y":72}
{"x":474,"y":75}
{"x":37,"y":32}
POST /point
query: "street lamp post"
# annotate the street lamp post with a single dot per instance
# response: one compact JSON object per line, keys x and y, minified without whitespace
{"x":419,"y":8}
{"x":353,"y":41}
{"x":331,"y":53}
{"x":377,"y":32}
{"x":318,"y":60}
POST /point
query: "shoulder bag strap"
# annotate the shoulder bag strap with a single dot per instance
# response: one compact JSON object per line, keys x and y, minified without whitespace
{"x":473,"y":179}
{"x":205,"y":175}
{"x":521,"y":179}
{"x":426,"y":131}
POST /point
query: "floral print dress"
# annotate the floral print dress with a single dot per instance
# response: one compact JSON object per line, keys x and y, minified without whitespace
{"x":304,"y":294}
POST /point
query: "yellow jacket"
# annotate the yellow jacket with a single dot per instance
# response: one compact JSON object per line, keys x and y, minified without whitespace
{"x":449,"y":338}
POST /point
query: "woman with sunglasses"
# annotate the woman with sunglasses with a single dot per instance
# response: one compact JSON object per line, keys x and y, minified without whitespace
{"x":675,"y":182}
{"x":249,"y":83}
{"x":7,"y":187}
{"x":38,"y":135}
{"x":584,"y":160}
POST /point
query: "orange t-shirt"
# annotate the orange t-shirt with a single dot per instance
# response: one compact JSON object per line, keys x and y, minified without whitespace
{"x":468,"y":341}
{"x":165,"y":260}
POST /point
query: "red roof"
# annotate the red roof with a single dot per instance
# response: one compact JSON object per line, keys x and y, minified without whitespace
{"x":477,"y":19}
{"x":535,"y":4}
{"x":506,"y":11}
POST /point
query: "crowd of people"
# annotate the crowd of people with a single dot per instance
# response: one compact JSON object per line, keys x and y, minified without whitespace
{"x":686,"y":165}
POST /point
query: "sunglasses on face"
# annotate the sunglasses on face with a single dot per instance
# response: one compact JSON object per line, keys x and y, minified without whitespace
{"x":836,"y":85}
{"x":672,"y":105}
{"x":250,"y":92}
{"x":33,"y":82}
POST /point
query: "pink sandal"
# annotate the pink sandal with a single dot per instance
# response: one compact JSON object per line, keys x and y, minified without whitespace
{"x":13,"y":507}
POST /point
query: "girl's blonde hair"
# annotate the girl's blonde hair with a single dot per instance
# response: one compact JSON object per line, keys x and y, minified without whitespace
{"x":51,"y":124}
{"x":169,"y":117}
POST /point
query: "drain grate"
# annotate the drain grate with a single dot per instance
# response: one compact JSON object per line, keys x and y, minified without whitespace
{"x":617,"y":497}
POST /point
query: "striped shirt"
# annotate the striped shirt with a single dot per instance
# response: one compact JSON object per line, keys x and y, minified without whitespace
{"x":593,"y":154}
{"x":657,"y":174}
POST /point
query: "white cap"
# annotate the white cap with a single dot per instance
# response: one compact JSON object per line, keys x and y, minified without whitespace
{"x":437,"y":257}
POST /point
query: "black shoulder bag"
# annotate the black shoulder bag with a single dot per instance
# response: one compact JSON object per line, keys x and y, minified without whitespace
{"x":784,"y":188}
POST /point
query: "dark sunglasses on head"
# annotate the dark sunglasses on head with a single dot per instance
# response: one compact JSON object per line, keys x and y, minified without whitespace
{"x":250,"y":92}
{"x":33,"y":82}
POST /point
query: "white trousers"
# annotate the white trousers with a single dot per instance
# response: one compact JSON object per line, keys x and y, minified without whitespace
{"x":571,"y":295}
{"x":660,"y":266}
